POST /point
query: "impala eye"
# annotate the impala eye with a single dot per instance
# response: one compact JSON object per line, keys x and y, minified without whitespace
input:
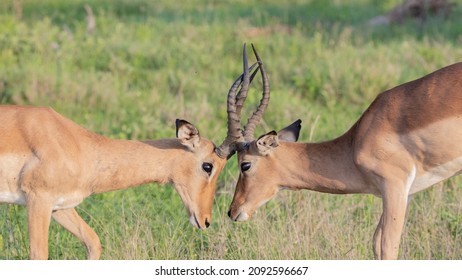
{"x":245,"y":166}
{"x":207,"y":167}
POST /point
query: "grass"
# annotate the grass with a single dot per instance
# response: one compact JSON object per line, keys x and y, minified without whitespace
{"x":150,"y":62}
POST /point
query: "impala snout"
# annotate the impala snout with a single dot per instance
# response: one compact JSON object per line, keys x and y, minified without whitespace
{"x":198,"y":201}
{"x":241,"y":208}
{"x":199,"y":209}
{"x":239,"y":215}
{"x":203,"y":224}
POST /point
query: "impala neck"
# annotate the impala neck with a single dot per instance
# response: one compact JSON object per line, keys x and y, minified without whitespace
{"x":124,"y":164}
{"x":324,"y":167}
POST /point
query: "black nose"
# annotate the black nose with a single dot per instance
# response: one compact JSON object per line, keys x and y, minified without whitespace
{"x":229,"y":213}
{"x":207,"y":224}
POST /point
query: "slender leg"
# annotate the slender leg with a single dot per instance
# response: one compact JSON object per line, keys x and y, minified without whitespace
{"x":394,"y":212}
{"x":70,"y":220}
{"x":378,"y":239}
{"x":38,"y":216}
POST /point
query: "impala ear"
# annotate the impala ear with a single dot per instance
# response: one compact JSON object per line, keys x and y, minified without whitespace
{"x":187,"y":134}
{"x":291,"y":132}
{"x":267,"y":142}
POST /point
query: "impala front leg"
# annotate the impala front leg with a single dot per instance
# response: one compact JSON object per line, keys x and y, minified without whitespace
{"x":392,"y":221}
{"x":39,"y":216}
{"x":71,"y":220}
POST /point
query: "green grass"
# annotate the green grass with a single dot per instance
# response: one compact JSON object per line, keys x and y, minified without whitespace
{"x":150,"y":62}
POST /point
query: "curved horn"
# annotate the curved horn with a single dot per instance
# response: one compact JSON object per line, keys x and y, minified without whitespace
{"x":234,"y":106}
{"x":242,"y":95}
{"x":256,"y":117}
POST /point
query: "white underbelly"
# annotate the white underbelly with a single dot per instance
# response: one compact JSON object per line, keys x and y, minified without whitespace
{"x":67,"y":201}
{"x":435,"y":175}
{"x":10,"y":170}
{"x":12,"y":197}
{"x":59,"y":203}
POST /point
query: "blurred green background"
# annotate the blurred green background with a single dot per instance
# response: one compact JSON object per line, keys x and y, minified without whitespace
{"x":133,"y":67}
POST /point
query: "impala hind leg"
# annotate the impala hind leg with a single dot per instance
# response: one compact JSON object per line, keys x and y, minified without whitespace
{"x":378,"y":239}
{"x":38,"y":217}
{"x":71,"y":220}
{"x":392,"y":221}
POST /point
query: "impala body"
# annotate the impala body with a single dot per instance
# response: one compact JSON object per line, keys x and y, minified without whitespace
{"x":406,"y":141}
{"x":50,"y":164}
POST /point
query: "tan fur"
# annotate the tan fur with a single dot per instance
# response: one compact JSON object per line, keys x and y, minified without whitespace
{"x":50,"y":164}
{"x":407,"y":140}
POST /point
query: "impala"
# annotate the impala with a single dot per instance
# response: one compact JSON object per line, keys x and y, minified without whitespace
{"x":406,"y":141}
{"x":50,"y":164}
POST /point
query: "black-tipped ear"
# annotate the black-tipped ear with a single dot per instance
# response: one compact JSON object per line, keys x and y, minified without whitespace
{"x":267,"y":142}
{"x":291,"y":132}
{"x":187,"y":133}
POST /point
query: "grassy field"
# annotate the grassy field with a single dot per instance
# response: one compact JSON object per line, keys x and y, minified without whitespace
{"x":147,"y":63}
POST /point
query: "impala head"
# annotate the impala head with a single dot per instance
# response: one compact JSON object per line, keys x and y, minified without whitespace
{"x":260,"y":176}
{"x":195,"y":172}
{"x":202,"y":162}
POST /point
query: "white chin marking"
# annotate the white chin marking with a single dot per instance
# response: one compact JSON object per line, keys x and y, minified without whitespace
{"x":193,"y":221}
{"x":242,"y":217}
